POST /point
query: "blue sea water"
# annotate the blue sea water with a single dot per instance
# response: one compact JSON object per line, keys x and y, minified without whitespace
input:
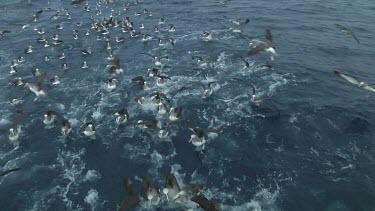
{"x":317,"y":155}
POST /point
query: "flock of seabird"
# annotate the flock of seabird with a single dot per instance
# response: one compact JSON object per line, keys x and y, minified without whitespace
{"x":102,"y":30}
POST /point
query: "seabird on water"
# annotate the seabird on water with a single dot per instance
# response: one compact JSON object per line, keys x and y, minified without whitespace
{"x":122,"y":116}
{"x":14,"y":132}
{"x":150,"y":192}
{"x":90,"y":130}
{"x":142,"y":82}
{"x":172,"y":190}
{"x":50,"y":117}
{"x":175,"y":113}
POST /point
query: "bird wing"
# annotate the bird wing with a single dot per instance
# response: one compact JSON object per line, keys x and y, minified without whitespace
{"x":116,"y":61}
{"x":39,"y":82}
{"x":341,"y":27}
{"x":370,"y":88}
{"x":247,"y":83}
{"x":203,"y":202}
{"x":247,"y":64}
{"x":188,"y":85}
{"x":268,"y":35}
{"x":354,"y":37}
{"x":349,"y":78}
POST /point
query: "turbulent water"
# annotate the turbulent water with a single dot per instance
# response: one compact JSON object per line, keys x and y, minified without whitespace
{"x":317,"y":155}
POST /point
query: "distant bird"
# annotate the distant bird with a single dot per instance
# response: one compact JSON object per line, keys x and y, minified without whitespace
{"x":266,"y":45}
{"x":142,"y":82}
{"x":122,"y":116}
{"x":254,"y":65}
{"x":157,"y":60}
{"x":207,"y":35}
{"x":347,"y":32}
{"x":200,"y":61}
{"x":2,"y":33}
{"x":90,"y":130}
{"x":14,"y":132}
{"x":355,"y":81}
{"x":207,"y":89}
{"x":115,"y":67}
{"x":77,"y":1}
{"x":240,"y":23}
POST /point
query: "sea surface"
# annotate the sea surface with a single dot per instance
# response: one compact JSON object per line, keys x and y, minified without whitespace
{"x":317,"y":154}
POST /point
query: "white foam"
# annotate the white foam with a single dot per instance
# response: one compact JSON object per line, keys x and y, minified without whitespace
{"x":92,"y":175}
{"x":92,"y":198}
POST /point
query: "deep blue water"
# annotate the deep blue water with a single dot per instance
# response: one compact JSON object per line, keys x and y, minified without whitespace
{"x":317,"y":155}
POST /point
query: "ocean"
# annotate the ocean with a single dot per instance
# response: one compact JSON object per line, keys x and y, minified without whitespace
{"x":309,"y":146}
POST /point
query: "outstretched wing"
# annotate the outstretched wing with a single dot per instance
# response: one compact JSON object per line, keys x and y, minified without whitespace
{"x":349,"y":78}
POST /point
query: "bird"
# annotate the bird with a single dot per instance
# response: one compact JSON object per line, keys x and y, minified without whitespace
{"x":265,"y":45}
{"x":355,"y":81}
{"x":115,"y":67}
{"x":74,"y":2}
{"x":198,"y":139}
{"x":122,"y":116}
{"x":65,"y":128}
{"x":157,"y":60}
{"x":240,"y":23}
{"x":90,"y":130}
{"x":50,"y":117}
{"x":111,"y":84}
{"x":37,"y":88}
{"x":175,"y":113}
{"x":142,"y":82}
{"x":207,"y":89}
{"x":254,"y":65}
{"x":200,"y":61}
{"x":150,"y":192}
{"x":14,"y":132}
{"x":172,"y":190}
{"x":2,"y":33}
{"x":348,"y":32}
